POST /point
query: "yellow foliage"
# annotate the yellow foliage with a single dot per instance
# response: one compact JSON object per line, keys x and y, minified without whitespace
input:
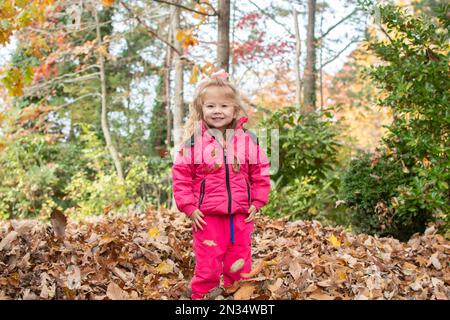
{"x":164,"y":268}
{"x":153,"y":232}
{"x":186,"y":38}
{"x":334,"y":241}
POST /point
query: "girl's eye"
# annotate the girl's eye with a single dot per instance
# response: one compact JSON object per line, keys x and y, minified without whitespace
{"x":210,"y":106}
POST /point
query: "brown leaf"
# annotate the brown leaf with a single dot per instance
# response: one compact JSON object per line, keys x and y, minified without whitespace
{"x":124,"y":276}
{"x":255,"y":271}
{"x":245,"y":292}
{"x":275,"y":286}
{"x":59,"y":223}
{"x":114,"y":292}
{"x":74,"y":277}
{"x":318,"y":295}
{"x":435,"y":261}
{"x":295,"y":270}
{"x":5,"y":244}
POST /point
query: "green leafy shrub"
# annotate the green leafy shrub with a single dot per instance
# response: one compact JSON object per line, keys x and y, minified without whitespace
{"x":308,"y":145}
{"x":96,"y":189}
{"x":34,"y":171}
{"x":414,"y":162}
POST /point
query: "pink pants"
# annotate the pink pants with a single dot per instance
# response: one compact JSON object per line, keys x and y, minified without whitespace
{"x":223,"y":241}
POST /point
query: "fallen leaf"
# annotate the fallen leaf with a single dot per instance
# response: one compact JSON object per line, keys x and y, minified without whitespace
{"x":153,"y":232}
{"x":114,"y":292}
{"x":320,"y":296}
{"x":210,"y":243}
{"x":237,"y":265}
{"x":74,"y":277}
{"x":59,"y":223}
{"x":255,"y":271}
{"x":275,"y":286}
{"x":435,"y":261}
{"x":334,"y":241}
{"x":5,"y":244}
{"x":245,"y":292}
{"x":165,"y":267}
{"x":295,"y":270}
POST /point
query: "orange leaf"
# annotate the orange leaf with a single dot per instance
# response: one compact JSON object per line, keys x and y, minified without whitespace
{"x":107,"y":3}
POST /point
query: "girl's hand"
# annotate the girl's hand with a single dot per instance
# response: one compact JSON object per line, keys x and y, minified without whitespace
{"x":197,"y":220}
{"x":252,"y":214}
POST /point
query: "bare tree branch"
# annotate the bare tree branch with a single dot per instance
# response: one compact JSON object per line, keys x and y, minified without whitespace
{"x":271,"y":16}
{"x":339,"y":53}
{"x":152,"y":32}
{"x":95,"y":94}
{"x":336,"y":24}
{"x":387,"y":34}
{"x":189,"y":9}
{"x":40,"y":86}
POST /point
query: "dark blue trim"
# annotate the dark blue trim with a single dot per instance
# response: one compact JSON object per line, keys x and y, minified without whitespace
{"x":232,"y":228}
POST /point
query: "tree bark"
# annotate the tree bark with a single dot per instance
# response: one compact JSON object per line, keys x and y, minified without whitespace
{"x":178,"y":111}
{"x":233,"y":30}
{"x":310,"y":74}
{"x":320,"y":63}
{"x":298,"y":52}
{"x":223,"y":35}
{"x":104,"y":116}
{"x":166,"y":88}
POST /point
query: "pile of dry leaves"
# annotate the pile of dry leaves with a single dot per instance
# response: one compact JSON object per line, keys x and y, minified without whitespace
{"x":149,"y":256}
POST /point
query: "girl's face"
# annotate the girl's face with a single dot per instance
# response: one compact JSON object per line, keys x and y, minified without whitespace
{"x":219,"y":109}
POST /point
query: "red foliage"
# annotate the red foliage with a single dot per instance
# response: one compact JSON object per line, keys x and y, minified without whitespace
{"x":249,"y":20}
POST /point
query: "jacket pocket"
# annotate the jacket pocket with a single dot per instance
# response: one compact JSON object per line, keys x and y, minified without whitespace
{"x":202,"y":193}
{"x":248,"y":192}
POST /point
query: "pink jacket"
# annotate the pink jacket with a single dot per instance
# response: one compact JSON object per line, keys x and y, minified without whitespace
{"x":201,"y":181}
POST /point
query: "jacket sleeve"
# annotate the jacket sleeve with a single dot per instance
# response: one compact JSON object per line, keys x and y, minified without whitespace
{"x":259,"y":178}
{"x":182,"y":181}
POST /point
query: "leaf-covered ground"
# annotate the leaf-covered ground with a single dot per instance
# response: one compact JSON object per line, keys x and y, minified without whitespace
{"x":149,"y":256}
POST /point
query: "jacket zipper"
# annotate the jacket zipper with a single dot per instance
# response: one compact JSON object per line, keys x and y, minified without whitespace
{"x":202,"y":193}
{"x":227,"y":176}
{"x":248,"y":191}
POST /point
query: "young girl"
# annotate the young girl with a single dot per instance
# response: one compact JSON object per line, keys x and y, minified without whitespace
{"x":220,"y":181}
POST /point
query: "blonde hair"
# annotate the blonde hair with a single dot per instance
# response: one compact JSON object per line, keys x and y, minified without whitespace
{"x":195,"y":107}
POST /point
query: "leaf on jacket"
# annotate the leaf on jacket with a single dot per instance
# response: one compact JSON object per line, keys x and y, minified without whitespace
{"x":237,"y":265}
{"x":210,"y":243}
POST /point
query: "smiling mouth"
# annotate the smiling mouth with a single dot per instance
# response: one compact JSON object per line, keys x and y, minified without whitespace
{"x":217,"y":118}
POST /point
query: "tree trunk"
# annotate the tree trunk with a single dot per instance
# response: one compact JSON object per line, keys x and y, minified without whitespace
{"x":166,"y":88}
{"x":321,"y":62}
{"x":309,"y":94}
{"x":298,"y":52}
{"x":104,"y":116}
{"x":233,"y":31}
{"x":178,"y":111}
{"x":223,"y":35}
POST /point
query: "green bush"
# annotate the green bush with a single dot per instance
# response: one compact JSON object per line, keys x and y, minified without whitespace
{"x":39,"y":176}
{"x":412,"y":188}
{"x":34,"y":172}
{"x":373,"y":187}
{"x":95,"y":189}
{"x":303,"y":185}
